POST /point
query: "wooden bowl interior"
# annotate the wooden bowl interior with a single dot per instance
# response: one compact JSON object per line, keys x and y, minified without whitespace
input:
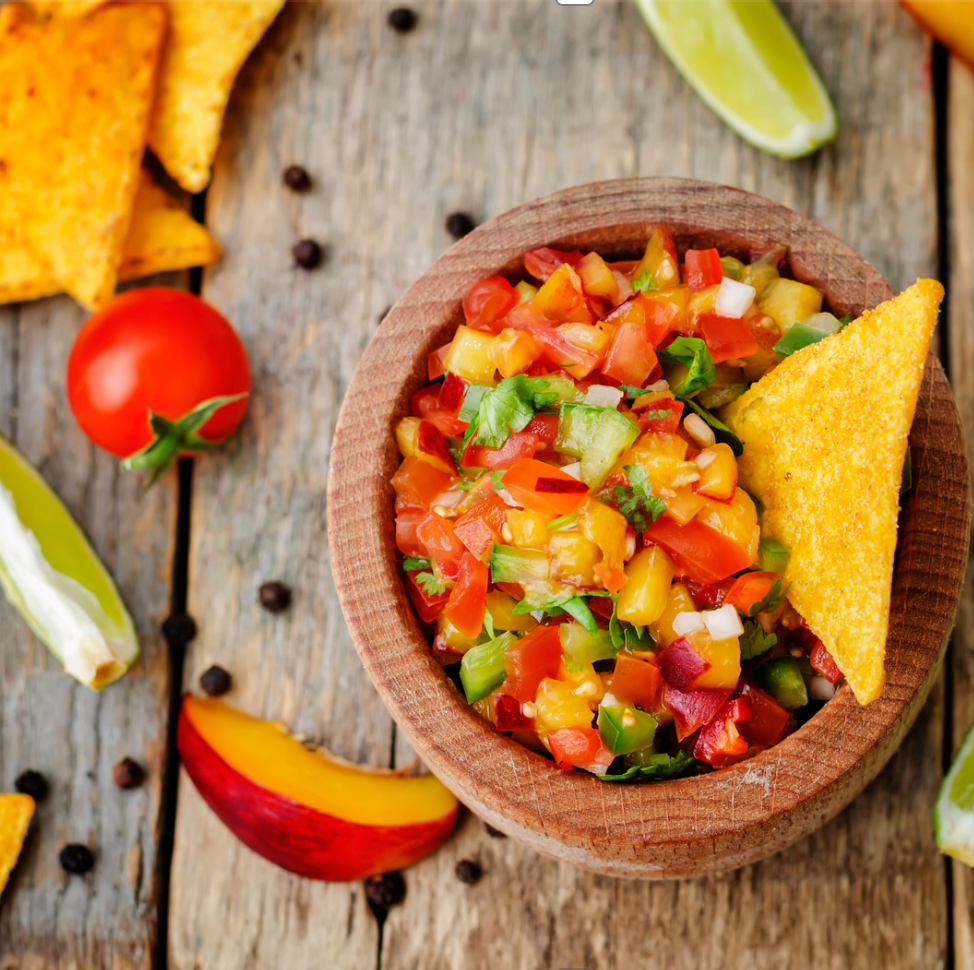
{"x":688,"y":826}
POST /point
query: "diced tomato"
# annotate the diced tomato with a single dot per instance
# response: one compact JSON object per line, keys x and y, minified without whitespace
{"x":480,"y":527}
{"x":530,"y":660}
{"x":748,"y":590}
{"x":823,"y":662}
{"x":694,"y":708}
{"x":726,"y":338}
{"x":468,"y":599}
{"x":452,"y":392}
{"x":428,"y":607}
{"x":521,"y":444}
{"x":406,"y":541}
{"x":703,"y":268}
{"x":507,"y":714}
{"x":442,"y":544}
{"x":541,"y":263}
{"x":635,"y":681}
{"x":545,"y":426}
{"x":720,"y":740}
{"x":418,"y":483}
{"x":768,"y":718}
{"x":665,"y":425}
{"x":700,"y":552}
{"x":434,"y":362}
{"x":579,"y":748}
{"x":426,"y":404}
{"x":561,"y":352}
{"x":710,"y":596}
{"x":660,"y":318}
{"x":528,"y":317}
{"x":521,"y":480}
{"x":630,"y":358}
{"x":488,"y":301}
{"x":681,"y":665}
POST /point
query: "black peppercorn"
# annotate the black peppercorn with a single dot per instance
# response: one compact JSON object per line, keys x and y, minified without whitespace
{"x":469,"y":872}
{"x":128,"y":774}
{"x":386,"y":890}
{"x":179,"y":629}
{"x":494,"y":833}
{"x":31,"y":783}
{"x":307,"y":254}
{"x":215,"y":681}
{"x":76,"y":859}
{"x":402,"y":19}
{"x":297,"y":178}
{"x":458,"y":224}
{"x":275,"y":597}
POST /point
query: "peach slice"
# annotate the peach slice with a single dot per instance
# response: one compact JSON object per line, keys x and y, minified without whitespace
{"x":308,"y":811}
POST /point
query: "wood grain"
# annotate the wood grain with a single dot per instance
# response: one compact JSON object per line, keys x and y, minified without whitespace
{"x":52,"y":724}
{"x":960,"y":143}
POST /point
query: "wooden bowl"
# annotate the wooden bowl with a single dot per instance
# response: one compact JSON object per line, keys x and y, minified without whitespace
{"x":675,"y":828}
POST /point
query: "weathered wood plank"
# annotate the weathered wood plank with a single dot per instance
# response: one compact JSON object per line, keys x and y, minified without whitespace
{"x":960,"y":135}
{"x":480,"y":108}
{"x":50,"y":723}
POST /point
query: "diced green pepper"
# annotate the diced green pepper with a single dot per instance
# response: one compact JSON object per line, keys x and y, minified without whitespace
{"x":597,"y":436}
{"x":772,"y":556}
{"x":508,"y":564}
{"x":576,"y":428}
{"x":732,"y":267}
{"x":583,"y":647}
{"x":717,"y":395}
{"x":483,"y":667}
{"x":782,"y":679}
{"x":799,"y":336}
{"x":624,"y":729}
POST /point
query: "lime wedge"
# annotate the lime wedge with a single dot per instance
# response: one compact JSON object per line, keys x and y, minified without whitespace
{"x":54,"y":578}
{"x":742,"y":58}
{"x":953,"y":815}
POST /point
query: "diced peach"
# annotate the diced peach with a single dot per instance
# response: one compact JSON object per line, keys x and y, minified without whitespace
{"x":678,"y":600}
{"x":589,"y":337}
{"x":514,"y":351}
{"x":701,"y":302}
{"x":561,"y":297}
{"x":604,"y":526}
{"x":528,"y":528}
{"x":663,"y":457}
{"x":596,"y":277}
{"x":644,"y":597}
{"x":718,"y":472}
{"x":660,"y":260}
{"x":559,"y":706}
{"x":724,"y":657}
{"x":501,"y":608}
{"x":470,"y":356}
{"x":406,"y":433}
{"x":682,"y":503}
{"x":736,"y":519}
{"x":573,"y":558}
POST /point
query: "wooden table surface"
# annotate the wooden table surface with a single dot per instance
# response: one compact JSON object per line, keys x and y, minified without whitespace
{"x":483,"y":106}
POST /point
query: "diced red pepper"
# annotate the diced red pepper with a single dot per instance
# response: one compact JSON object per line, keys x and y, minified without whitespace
{"x":635,"y":681}
{"x":406,"y":541}
{"x":768,"y":718}
{"x":693,"y":709}
{"x":468,"y":600}
{"x":665,"y":425}
{"x":480,"y":527}
{"x":727,"y":338}
{"x":748,"y":590}
{"x":823,"y":662}
{"x":521,"y":480}
{"x":521,"y":444}
{"x":681,"y":665}
{"x":428,"y":606}
{"x":700,"y":552}
{"x":426,"y":404}
{"x":418,"y":483}
{"x":721,"y":740}
{"x":434,"y":362}
{"x":630,"y":358}
{"x":579,"y":748}
{"x":442,"y":545}
{"x":541,"y":263}
{"x":703,"y":268}
{"x":487,"y":302}
{"x":530,"y":660}
{"x":507,"y":714}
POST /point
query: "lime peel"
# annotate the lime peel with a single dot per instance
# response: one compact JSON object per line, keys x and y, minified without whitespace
{"x":746,"y":64}
{"x":95,"y":648}
{"x":953,"y":814}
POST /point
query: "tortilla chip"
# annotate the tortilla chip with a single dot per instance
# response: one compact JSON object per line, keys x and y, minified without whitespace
{"x":74,"y":105}
{"x":162,"y":237}
{"x":16,"y":812}
{"x":825,"y":437}
{"x":209,"y":41}
{"x":63,"y":8}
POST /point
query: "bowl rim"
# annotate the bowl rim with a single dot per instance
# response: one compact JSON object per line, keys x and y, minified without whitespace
{"x":684,"y":826}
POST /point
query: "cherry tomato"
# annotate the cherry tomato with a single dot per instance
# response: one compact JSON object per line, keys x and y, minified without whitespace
{"x":487,"y":302}
{"x":155,"y":350}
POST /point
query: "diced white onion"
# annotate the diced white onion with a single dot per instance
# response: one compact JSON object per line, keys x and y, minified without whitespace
{"x":625,"y":287}
{"x":688,"y":622}
{"x":700,"y":431}
{"x":603,"y":396}
{"x":608,"y":700}
{"x":574,"y":469}
{"x":630,"y":545}
{"x":723,"y":624}
{"x":539,"y":615}
{"x":823,"y":322}
{"x":820,"y":688}
{"x":658,"y":386}
{"x":705,"y":459}
{"x":506,"y":496}
{"x":734,"y":299}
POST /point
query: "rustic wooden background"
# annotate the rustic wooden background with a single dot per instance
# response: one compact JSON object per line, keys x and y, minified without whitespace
{"x":483,"y":106}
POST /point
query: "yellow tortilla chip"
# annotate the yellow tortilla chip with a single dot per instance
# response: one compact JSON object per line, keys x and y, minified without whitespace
{"x":16,"y":812}
{"x":162,"y":237}
{"x":63,"y":8}
{"x":825,"y":437}
{"x":74,"y":105}
{"x":209,"y":40}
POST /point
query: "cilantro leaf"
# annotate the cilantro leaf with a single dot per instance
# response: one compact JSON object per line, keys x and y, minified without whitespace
{"x":575,"y":606}
{"x":657,"y":415}
{"x":497,"y":479}
{"x":772,"y":600}
{"x":506,"y":408}
{"x":471,"y":401}
{"x":578,"y":608}
{"x":411,"y":563}
{"x":845,"y":321}
{"x":636,"y":500}
{"x":616,"y":632}
{"x":639,"y":638}
{"x":643,"y":281}
{"x":631,"y":392}
{"x":693,"y":354}
{"x":754,"y":641}
{"x":429,"y":584}
{"x":721,"y":431}
{"x":466,"y":485}
{"x":660,"y":767}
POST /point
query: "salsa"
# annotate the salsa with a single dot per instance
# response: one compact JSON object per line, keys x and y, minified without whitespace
{"x":568,"y":510}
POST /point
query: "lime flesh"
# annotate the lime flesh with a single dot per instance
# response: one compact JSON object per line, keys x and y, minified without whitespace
{"x":743,"y":60}
{"x":54,"y":578}
{"x":953,"y":814}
